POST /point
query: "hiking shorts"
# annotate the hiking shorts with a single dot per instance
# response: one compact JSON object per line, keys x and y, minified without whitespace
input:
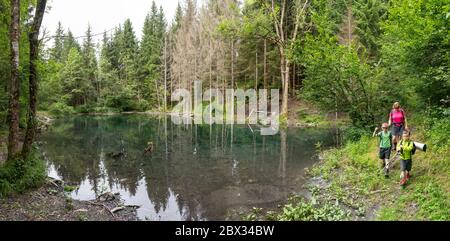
{"x":385,"y":153}
{"x":398,"y":130}
{"x":405,"y":165}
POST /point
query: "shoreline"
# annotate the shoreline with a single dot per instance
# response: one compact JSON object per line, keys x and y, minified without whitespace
{"x":52,"y":202}
{"x":347,"y":184}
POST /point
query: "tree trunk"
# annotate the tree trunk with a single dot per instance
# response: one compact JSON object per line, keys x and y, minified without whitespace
{"x":232,"y":80}
{"x":266,"y":77}
{"x":285,"y":74}
{"x":293,"y":80}
{"x":256,"y":70}
{"x":33,"y":78}
{"x":165,"y":74}
{"x":232,"y":64}
{"x":14,"y":85}
{"x":285,"y":102}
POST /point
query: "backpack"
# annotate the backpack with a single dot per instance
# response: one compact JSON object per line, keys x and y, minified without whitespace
{"x":413,"y":151}
{"x":392,"y":115}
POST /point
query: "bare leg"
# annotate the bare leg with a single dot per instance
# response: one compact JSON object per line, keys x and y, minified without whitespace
{"x":386,"y":173}
{"x":403,"y":178}
{"x":396,"y":140}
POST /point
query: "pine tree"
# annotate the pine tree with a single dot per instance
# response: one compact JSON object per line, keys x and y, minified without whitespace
{"x":151,"y":50}
{"x":90,"y":65}
{"x":69,"y":42}
{"x":107,"y":76}
{"x":115,"y":47}
{"x":177,"y":19}
{"x":128,"y":47}
{"x":369,"y":14}
{"x":58,"y":46}
{"x":73,"y":76}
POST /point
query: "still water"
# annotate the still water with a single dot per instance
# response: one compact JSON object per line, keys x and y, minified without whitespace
{"x":194,"y":172}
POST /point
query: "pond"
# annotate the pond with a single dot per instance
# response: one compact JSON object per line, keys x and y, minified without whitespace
{"x":195,"y":172}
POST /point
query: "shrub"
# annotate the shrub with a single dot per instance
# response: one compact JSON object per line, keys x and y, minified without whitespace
{"x":353,"y":134}
{"x":20,"y":175}
{"x":307,"y":211}
{"x":61,"y":109}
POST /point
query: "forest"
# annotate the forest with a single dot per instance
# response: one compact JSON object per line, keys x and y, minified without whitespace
{"x":353,"y":57}
{"x":359,"y":54}
{"x":349,"y":56}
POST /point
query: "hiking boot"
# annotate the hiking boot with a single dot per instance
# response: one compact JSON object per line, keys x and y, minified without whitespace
{"x":386,"y":173}
{"x":408,"y":176}
{"x":403,"y":182}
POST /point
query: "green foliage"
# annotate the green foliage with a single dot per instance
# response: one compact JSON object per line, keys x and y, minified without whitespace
{"x":369,"y":15}
{"x":299,"y":209}
{"x":398,"y":52}
{"x":415,"y":48}
{"x":430,"y":201}
{"x":74,"y":80}
{"x":59,"y":109}
{"x":437,"y":126}
{"x":20,"y":175}
{"x":351,"y":133}
{"x":337,"y":76}
{"x":306,"y":211}
{"x":124,"y":78}
{"x":57,"y":51}
{"x":353,"y":171}
{"x":69,"y":189}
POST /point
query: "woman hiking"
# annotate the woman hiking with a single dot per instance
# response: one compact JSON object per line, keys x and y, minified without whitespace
{"x":398,"y":121}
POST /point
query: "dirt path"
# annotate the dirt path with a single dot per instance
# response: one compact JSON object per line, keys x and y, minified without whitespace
{"x":52,"y":203}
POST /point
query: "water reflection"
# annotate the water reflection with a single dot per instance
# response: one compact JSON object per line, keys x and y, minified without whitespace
{"x":194,"y":172}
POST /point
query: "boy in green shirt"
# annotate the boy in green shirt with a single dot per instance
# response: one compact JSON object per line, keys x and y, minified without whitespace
{"x":385,"y":139}
{"x":407,"y":149}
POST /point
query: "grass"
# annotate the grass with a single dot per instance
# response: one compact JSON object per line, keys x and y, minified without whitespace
{"x":21,"y":175}
{"x":354,"y":171}
{"x":352,"y":186}
{"x":308,"y":116}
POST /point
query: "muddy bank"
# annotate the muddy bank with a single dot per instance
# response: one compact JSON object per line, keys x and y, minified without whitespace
{"x":52,"y":203}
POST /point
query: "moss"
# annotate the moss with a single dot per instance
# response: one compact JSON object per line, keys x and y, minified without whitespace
{"x":68,"y":188}
{"x":20,"y":175}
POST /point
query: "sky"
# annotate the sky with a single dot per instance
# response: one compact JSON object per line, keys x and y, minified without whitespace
{"x":102,"y":15}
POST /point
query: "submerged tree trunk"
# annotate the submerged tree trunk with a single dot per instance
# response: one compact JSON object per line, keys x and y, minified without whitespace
{"x":33,"y":78}
{"x":14,"y":84}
